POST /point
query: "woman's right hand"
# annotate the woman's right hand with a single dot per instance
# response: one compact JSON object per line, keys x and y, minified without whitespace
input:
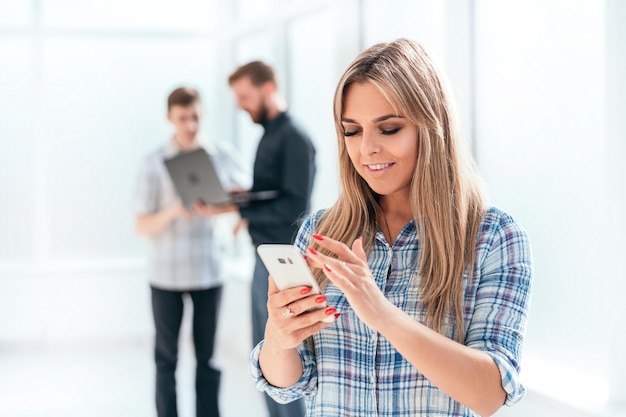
{"x":293,"y":315}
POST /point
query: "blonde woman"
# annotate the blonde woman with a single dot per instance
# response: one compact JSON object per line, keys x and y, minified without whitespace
{"x":429,"y":286}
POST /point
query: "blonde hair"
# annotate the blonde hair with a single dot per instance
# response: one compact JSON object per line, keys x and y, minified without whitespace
{"x":446,"y":194}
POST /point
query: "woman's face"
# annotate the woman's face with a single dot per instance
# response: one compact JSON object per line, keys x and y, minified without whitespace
{"x":382,"y":144}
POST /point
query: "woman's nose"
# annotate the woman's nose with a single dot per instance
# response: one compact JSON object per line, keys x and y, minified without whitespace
{"x":369,"y":143}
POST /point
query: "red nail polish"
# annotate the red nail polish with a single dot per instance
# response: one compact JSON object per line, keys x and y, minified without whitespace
{"x":326,"y":267}
{"x":305,"y":291}
{"x":330,"y":311}
{"x":337,"y":315}
{"x":320,"y":299}
{"x":318,"y":237}
{"x":313,"y":251}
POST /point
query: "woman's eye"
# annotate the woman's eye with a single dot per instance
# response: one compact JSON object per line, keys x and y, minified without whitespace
{"x":348,"y":133}
{"x":390,"y":131}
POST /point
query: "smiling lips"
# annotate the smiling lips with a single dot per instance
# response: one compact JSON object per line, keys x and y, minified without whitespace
{"x":378,"y":167}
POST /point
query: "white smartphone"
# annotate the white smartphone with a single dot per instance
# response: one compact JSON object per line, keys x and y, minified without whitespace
{"x":289,"y":269}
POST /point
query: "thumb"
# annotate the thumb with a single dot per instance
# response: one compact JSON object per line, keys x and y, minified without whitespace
{"x":272,"y":288}
{"x":357,"y":248}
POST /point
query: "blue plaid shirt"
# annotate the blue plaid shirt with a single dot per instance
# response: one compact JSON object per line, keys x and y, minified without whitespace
{"x":354,"y":371}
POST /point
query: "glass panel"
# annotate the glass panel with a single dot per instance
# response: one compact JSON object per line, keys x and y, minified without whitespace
{"x":258,"y":46}
{"x":16,"y":13}
{"x":541,"y":149}
{"x":615,"y":15}
{"x":16,"y":141}
{"x":105,"y":109}
{"x":420,"y":20}
{"x":312,"y":82}
{"x":250,"y":9}
{"x":185,"y":15}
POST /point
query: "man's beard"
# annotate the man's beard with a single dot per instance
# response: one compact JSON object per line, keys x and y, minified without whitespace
{"x":262,"y":117}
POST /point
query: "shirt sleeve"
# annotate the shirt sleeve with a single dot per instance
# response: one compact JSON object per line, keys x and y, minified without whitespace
{"x":307,"y":385}
{"x":500,"y":313}
{"x":303,"y":238}
{"x":147,"y":191}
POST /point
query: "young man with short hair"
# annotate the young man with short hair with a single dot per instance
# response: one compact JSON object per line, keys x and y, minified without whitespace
{"x":186,"y":257}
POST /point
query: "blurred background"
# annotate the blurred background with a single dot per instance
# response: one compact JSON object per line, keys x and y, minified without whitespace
{"x":541,"y":89}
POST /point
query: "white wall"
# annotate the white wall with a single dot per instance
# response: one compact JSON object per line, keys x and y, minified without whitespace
{"x":547,"y":154}
{"x":615,"y":87}
{"x":84,"y":88}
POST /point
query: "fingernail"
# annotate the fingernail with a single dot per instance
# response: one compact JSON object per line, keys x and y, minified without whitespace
{"x":330,"y":311}
{"x":313,"y":251}
{"x":337,"y":315}
{"x":305,"y":256}
{"x":305,"y":291}
{"x":318,"y":237}
{"x":326,"y":267}
{"x":320,"y":299}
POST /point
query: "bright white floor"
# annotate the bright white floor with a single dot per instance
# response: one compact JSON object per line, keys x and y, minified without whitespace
{"x":116,"y":378}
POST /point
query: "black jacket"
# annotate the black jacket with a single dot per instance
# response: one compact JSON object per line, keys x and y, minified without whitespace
{"x":285,"y":161}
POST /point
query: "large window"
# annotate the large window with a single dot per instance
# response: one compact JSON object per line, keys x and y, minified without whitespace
{"x":84,"y":99}
{"x":18,"y":104}
{"x":542,"y":149}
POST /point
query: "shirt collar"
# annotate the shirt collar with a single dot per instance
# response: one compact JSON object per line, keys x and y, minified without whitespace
{"x":172,"y":149}
{"x":276,"y":121}
{"x":408,"y":231}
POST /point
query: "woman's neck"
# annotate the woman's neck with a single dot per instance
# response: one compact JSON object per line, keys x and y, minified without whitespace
{"x":394,"y":215}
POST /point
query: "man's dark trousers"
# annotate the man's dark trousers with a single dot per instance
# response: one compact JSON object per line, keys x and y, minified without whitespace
{"x":167,"y":309}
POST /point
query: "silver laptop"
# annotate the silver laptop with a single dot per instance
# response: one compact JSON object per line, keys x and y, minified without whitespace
{"x":196,"y":180}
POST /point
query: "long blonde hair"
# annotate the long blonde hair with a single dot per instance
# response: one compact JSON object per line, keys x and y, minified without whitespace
{"x":446,"y":199}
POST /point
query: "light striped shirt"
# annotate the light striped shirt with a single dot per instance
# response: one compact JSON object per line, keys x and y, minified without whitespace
{"x":188,"y":254}
{"x":354,"y":371}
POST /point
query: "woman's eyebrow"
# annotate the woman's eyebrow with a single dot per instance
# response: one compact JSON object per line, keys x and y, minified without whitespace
{"x":386,"y":117}
{"x":376,"y":120}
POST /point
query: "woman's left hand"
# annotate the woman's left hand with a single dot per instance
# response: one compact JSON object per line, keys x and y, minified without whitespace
{"x":350,"y":272}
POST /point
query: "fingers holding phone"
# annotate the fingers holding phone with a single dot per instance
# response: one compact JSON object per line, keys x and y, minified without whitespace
{"x":289,"y":270}
{"x":296,"y":306}
{"x":294,"y":314}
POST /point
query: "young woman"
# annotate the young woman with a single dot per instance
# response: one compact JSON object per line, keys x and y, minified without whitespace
{"x":429,"y":286}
